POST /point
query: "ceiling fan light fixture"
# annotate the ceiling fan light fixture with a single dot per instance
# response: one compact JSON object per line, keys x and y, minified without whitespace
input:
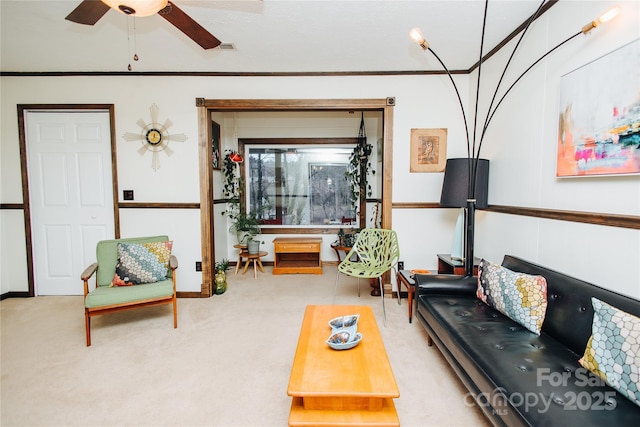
{"x":138,"y":8}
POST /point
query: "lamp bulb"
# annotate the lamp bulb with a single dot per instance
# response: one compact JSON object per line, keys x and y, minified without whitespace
{"x":416,"y":36}
{"x":608,"y":15}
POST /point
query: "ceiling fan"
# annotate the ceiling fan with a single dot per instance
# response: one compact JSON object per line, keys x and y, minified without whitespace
{"x":90,"y":11}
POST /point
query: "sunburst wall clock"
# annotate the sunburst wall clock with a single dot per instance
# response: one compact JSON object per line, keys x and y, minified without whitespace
{"x":154,"y":137}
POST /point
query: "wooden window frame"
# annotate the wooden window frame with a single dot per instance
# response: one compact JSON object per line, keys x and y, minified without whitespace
{"x":207,"y":106}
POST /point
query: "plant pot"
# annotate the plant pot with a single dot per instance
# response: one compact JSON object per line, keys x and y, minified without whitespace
{"x":253,"y":246}
{"x":349,"y":240}
{"x":220,"y":280}
{"x":244,"y":237}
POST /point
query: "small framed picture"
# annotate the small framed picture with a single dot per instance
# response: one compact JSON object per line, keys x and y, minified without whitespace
{"x":215,"y":145}
{"x":428,"y":150}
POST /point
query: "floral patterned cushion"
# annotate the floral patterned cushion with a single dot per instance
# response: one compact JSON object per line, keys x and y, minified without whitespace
{"x":613,"y":351}
{"x":521,"y":297}
{"x":143,"y":263}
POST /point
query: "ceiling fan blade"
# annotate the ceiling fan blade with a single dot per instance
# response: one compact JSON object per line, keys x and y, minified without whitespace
{"x":187,"y":25}
{"x":88,"y":12}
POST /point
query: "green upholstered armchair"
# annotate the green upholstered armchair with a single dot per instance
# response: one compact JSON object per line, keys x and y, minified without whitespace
{"x":106,"y":298}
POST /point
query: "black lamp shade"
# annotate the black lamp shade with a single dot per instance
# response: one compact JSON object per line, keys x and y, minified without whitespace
{"x":456,"y":183}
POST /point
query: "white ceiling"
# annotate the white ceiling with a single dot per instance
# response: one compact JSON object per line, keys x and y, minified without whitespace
{"x":269,"y":36}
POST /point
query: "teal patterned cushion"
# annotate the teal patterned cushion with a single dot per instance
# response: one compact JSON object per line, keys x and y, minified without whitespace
{"x":143,"y":262}
{"x":521,"y":297}
{"x":613,"y":351}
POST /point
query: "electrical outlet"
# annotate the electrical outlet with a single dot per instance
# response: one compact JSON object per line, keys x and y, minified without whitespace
{"x":400,"y":265}
{"x":198,"y":265}
{"x":127,"y":194}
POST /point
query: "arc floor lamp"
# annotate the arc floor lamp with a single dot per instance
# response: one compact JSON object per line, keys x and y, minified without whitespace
{"x":468,"y":177}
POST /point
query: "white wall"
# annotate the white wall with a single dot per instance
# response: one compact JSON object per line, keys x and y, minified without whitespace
{"x":183,"y":228}
{"x":13,"y":261}
{"x":177,"y":180}
{"x":520,"y":145}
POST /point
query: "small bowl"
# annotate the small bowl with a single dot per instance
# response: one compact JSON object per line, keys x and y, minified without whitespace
{"x":344,"y":321}
{"x":343,"y":335}
{"x":351,"y":330}
{"x":336,"y":342}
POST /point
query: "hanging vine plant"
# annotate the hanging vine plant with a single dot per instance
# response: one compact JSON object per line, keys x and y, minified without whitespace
{"x":245,"y":224}
{"x":231,"y":180}
{"x":359,"y":169}
{"x":232,"y":188}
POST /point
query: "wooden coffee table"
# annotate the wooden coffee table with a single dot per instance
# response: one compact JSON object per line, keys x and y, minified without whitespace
{"x":349,"y":387}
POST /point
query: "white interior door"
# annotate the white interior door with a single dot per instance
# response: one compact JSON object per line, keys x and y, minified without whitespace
{"x":71,"y":195}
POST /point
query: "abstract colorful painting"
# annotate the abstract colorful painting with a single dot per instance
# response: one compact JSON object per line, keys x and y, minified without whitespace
{"x":599,"y":126}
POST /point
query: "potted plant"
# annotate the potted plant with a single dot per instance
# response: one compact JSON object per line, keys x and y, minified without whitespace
{"x":245,"y":225}
{"x":253,"y":245}
{"x":222,"y":266}
{"x":220,"y":277}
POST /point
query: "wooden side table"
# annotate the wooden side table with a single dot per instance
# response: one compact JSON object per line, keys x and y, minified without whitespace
{"x":241,"y":248}
{"x":448,"y":265}
{"x":255,"y":258}
{"x":341,"y":249}
{"x":375,"y":289}
{"x":297,"y":255}
{"x":404,"y":277}
{"x":407,"y":278}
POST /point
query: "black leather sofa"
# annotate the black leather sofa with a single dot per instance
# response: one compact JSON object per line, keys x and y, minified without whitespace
{"x":516,"y":377}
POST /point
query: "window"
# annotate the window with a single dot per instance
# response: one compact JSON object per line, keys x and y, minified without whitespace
{"x":299,"y":184}
{"x":329,"y":192}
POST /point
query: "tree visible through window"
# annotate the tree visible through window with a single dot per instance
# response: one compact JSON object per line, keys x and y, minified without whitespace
{"x":299,"y":185}
{"x":329,"y":192}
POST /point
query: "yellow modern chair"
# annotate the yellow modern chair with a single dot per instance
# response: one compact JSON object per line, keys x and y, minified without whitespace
{"x":376,"y":251}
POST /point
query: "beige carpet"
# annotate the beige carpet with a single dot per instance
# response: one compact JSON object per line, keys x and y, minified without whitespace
{"x":227,"y":364}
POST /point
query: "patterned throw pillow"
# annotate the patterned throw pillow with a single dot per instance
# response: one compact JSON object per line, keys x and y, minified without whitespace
{"x":613,"y":351}
{"x":143,"y":262}
{"x":521,"y":297}
{"x":118,"y":281}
